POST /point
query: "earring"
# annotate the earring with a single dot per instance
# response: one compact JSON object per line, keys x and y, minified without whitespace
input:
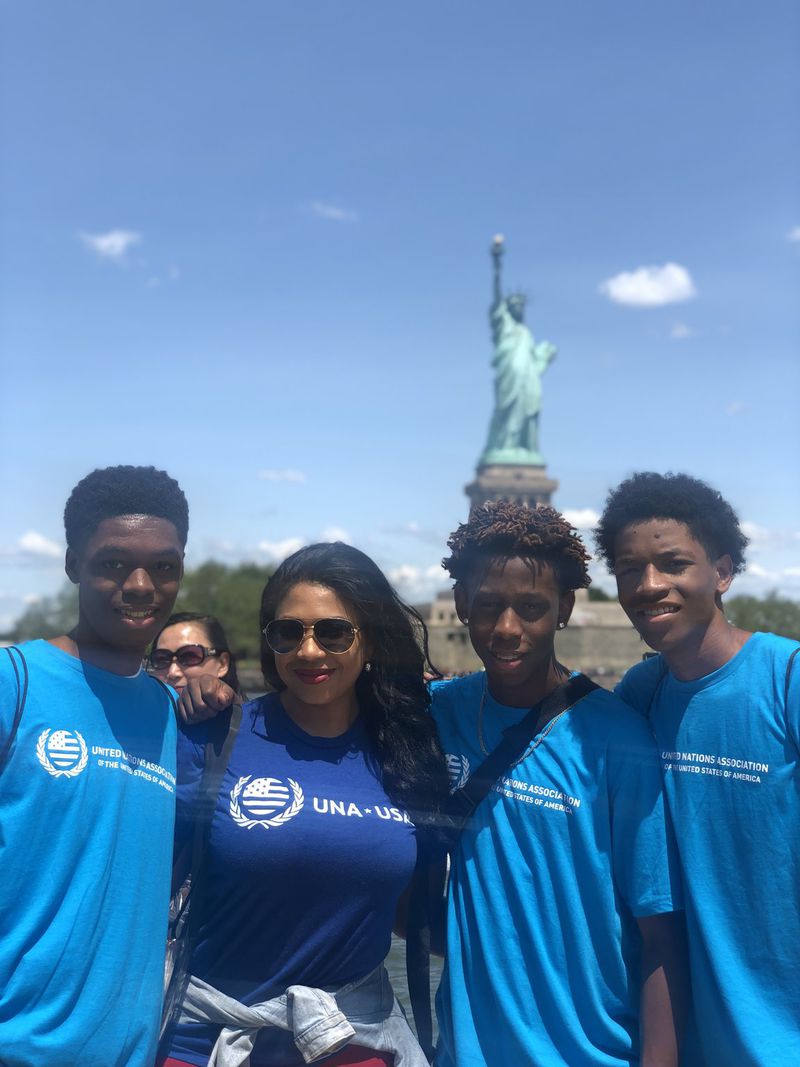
{"x":561,"y":625}
{"x":367,"y":666}
{"x":465,"y":620}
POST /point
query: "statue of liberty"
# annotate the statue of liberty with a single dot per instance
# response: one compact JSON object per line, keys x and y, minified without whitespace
{"x":519,"y":364}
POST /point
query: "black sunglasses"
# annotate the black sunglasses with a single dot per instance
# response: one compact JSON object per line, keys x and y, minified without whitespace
{"x":332,"y":635}
{"x":161,"y":659}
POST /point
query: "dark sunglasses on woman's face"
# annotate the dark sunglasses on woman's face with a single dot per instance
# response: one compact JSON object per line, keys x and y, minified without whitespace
{"x":332,"y":635}
{"x":161,"y":659}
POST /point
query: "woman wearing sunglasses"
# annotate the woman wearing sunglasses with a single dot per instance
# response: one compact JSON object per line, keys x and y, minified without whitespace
{"x":190,"y":645}
{"x":312,"y":841}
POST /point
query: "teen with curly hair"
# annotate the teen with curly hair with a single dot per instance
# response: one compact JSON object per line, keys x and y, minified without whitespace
{"x":313,"y":838}
{"x":725,"y":708}
{"x":87,"y":790}
{"x":562,"y":943}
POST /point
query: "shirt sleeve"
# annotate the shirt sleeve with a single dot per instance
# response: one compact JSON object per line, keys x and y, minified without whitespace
{"x":644,"y":860}
{"x":638,"y":686}
{"x":792,"y":691}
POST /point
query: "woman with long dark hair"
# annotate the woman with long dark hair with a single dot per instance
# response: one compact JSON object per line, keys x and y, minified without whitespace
{"x":313,"y":838}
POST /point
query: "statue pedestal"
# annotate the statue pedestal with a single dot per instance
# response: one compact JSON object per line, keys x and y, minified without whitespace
{"x":522,"y":483}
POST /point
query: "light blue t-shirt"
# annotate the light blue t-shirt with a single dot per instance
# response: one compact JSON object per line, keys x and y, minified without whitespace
{"x":730,"y":753}
{"x":87,"y":804}
{"x":559,"y":860}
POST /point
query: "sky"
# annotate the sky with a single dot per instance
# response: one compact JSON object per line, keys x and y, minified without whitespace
{"x":248,"y":243}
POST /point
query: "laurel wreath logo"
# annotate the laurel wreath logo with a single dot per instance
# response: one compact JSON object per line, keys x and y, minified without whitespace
{"x":458,"y":768}
{"x":276,"y":820}
{"x":71,"y":772}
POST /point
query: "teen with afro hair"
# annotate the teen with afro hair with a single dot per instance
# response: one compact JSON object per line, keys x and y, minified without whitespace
{"x":725,"y":708}
{"x":87,"y":790}
{"x":563,"y":946}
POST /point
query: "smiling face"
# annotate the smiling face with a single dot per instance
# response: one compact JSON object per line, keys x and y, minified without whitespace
{"x":128,"y":573}
{"x":514,"y":609}
{"x":320,"y":686}
{"x":178,"y":636}
{"x":668,"y":586}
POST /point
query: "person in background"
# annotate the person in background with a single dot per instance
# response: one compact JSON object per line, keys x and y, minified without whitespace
{"x":725,"y":708}
{"x":564,"y":942}
{"x":87,"y":791}
{"x":190,"y":645}
{"x":313,"y":840}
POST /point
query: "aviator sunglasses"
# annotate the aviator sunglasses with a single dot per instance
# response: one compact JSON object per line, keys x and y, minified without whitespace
{"x":161,"y":659}
{"x":332,"y":635}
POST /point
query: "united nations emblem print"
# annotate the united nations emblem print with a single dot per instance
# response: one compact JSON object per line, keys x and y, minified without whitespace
{"x":267,"y":802}
{"x":62,"y":753}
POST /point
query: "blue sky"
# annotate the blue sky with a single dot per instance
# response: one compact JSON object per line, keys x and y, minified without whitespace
{"x":249,"y":243}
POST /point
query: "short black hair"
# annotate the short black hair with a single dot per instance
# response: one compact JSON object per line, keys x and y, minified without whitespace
{"x":125,"y":490}
{"x":503,"y":528}
{"x":710,"y":519}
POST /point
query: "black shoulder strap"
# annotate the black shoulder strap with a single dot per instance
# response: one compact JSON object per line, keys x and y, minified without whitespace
{"x":789,"y":666}
{"x":22,"y":694}
{"x":516,"y":739}
{"x":186,"y":923}
{"x":418,"y":956}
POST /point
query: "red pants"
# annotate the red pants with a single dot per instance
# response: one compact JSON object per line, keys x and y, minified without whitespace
{"x":350,"y":1056}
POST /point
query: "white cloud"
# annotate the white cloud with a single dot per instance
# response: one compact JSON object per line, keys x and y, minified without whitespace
{"x":680,"y":331}
{"x":282,"y":476}
{"x":794,"y":235}
{"x":736,"y":407}
{"x":275,"y":551}
{"x":36,"y":545}
{"x":418,"y":532}
{"x":334,"y":533}
{"x":333,"y":212}
{"x":113,"y":245}
{"x":417,"y":584}
{"x":757,"y":535}
{"x":755,"y":570}
{"x":581,"y":518}
{"x":650,"y":286}
{"x":791,"y":572}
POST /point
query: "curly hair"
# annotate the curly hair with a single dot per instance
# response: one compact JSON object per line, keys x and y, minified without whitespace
{"x":505,"y":529}
{"x":711,"y":520}
{"x":124,"y":490}
{"x":392,"y":695}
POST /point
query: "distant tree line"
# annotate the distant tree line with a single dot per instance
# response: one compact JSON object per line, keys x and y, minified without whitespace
{"x":233,"y":594}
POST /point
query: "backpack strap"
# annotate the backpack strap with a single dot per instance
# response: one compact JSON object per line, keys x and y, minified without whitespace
{"x":21,"y":675}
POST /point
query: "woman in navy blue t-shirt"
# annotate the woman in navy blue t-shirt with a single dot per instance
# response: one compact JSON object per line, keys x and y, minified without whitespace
{"x":312,"y":840}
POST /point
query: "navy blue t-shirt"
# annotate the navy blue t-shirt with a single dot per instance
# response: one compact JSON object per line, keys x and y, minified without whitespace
{"x":307,"y":859}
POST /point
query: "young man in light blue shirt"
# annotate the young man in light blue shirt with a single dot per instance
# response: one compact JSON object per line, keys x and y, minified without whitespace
{"x":563,"y":946}
{"x":725,"y":708}
{"x":87,"y":791}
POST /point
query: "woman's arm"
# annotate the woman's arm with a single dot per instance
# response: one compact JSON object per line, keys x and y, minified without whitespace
{"x":665,"y":988}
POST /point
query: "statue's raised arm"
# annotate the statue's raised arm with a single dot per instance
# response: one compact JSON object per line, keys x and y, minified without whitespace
{"x":497,"y":258}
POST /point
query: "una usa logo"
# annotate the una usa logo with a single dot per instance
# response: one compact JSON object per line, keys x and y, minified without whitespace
{"x":267,"y":802}
{"x":458,"y":769}
{"x":62,"y":753}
